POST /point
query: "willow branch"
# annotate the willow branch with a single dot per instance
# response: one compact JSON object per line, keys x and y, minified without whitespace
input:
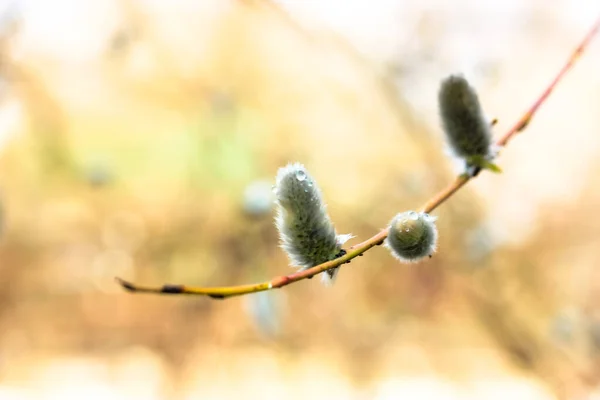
{"x":359,"y":249}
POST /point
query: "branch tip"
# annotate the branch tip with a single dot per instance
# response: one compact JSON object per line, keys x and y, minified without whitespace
{"x":130,"y":287}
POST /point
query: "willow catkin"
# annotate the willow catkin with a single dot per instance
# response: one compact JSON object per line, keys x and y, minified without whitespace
{"x":305,"y":229}
{"x":412,"y":236}
{"x":467,"y":130}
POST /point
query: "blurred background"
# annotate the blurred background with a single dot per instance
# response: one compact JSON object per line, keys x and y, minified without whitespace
{"x":140,"y":138}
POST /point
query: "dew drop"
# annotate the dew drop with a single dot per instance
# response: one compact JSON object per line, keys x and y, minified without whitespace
{"x":301,"y":175}
{"x":413,"y":215}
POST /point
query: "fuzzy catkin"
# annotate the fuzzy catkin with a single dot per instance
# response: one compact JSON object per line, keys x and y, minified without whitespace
{"x":412,"y":236}
{"x":305,"y":229}
{"x":467,"y":130}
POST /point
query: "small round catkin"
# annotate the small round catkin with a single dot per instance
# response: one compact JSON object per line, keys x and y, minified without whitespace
{"x":412,"y":237}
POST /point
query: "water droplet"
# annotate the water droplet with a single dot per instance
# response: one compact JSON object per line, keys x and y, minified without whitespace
{"x":300,"y":175}
{"x":413,"y":215}
{"x":305,"y":190}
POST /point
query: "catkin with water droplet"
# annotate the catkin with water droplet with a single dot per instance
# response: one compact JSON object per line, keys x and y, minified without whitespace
{"x":305,"y":229}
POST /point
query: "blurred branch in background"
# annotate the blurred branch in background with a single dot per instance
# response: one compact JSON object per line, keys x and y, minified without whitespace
{"x":46,"y":119}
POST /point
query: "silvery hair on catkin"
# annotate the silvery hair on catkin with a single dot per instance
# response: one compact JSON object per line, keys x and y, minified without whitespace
{"x":306,"y":232}
{"x":467,"y":131}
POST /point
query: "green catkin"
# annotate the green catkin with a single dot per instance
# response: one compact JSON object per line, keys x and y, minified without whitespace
{"x":412,"y":236}
{"x":467,"y":130}
{"x":305,"y":229}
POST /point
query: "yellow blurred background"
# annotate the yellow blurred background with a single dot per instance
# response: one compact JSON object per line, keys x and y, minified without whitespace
{"x":141,"y":139}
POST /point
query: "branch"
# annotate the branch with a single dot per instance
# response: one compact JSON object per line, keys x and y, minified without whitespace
{"x":361,"y":248}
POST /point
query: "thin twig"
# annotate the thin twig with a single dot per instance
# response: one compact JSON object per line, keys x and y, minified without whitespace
{"x":526,"y":118}
{"x":359,"y":249}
